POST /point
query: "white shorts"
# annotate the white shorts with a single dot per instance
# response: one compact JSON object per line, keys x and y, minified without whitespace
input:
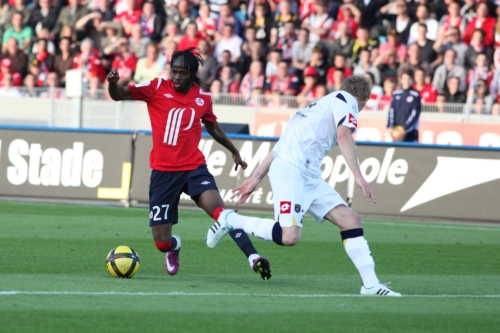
{"x":295,"y":194}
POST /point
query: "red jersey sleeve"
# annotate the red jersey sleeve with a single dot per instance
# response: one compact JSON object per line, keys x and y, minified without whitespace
{"x":143,"y":91}
{"x":209,"y":116}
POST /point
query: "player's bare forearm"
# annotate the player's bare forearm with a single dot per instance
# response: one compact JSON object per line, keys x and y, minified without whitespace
{"x":216,"y":131}
{"x":118,"y":92}
{"x":263,"y":168}
{"x":348,"y":149}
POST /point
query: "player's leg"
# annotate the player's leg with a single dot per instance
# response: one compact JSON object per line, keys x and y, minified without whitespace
{"x":208,"y":198}
{"x":290,"y":203}
{"x":357,"y":247}
{"x":163,"y":202}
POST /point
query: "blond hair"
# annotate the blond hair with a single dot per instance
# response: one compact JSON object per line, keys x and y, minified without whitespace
{"x":357,"y":85}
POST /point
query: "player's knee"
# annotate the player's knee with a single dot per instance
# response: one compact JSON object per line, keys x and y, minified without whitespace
{"x":290,"y":239}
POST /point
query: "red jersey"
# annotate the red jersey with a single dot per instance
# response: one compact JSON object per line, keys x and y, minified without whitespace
{"x":175,"y":121}
{"x":488,"y":27}
{"x":428,"y":94}
{"x":206,"y":27}
{"x":125,"y":64}
{"x":273,"y":84}
{"x":185,"y":43}
{"x":129,"y":17}
{"x":17,"y":79}
{"x":94,"y":65}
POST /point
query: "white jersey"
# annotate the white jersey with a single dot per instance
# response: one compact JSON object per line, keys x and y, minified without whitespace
{"x":312,"y":132}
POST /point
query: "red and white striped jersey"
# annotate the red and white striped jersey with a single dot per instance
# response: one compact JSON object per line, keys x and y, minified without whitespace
{"x":176,"y":123}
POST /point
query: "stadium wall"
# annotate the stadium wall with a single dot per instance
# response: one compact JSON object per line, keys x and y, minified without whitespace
{"x":411,"y":181}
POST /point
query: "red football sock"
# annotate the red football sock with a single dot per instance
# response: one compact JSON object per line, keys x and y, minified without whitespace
{"x":163,"y":246}
{"x":216,"y":213}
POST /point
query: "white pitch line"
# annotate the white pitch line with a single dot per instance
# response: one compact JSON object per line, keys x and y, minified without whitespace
{"x":181,"y":293}
{"x":403,"y":224}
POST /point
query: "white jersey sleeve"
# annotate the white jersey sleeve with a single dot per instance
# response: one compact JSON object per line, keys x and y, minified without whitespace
{"x":345,"y":111}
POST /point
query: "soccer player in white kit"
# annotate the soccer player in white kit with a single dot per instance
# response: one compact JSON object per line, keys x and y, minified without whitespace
{"x":295,"y":176}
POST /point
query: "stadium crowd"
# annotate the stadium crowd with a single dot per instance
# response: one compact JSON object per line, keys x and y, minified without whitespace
{"x":273,"y":48}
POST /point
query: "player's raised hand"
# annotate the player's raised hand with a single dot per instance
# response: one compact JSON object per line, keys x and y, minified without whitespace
{"x":113,"y":76}
{"x":245,"y":189}
{"x":367,"y":190}
{"x":238,"y":161}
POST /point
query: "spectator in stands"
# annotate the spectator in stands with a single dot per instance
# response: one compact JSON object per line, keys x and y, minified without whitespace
{"x":309,"y":88}
{"x":229,"y":41}
{"x":468,"y":11}
{"x":18,"y":58}
{"x":393,"y":44}
{"x":205,"y":23}
{"x":206,"y":71}
{"x":44,"y":34}
{"x":29,"y":86}
{"x":23,"y":34}
{"x":125,"y":61}
{"x":43,"y":56}
{"x":44,"y":17}
{"x":247,"y":42}
{"x":254,"y":79}
{"x":128,"y":17}
{"x":226,"y":17}
{"x":17,"y":6}
{"x":106,"y":9}
{"x":363,"y":41}
{"x":401,"y":22}
{"x":262,"y":23}
{"x":364,"y":66}
{"x":479,"y":101}
{"x":68,"y":16}
{"x":426,"y":46}
{"x":272,"y":64}
{"x":448,"y":69}
{"x":319,"y":62}
{"x":165,"y":54}
{"x":6,"y":68}
{"x":375,"y":94}
{"x":225,"y":61}
{"x":351,"y":17}
{"x":7,"y":89}
{"x":183,"y":16}
{"x":92,"y":26}
{"x":148,"y":67}
{"x":339,"y":63}
{"x":138,"y":43}
{"x":414,"y":61}
{"x":256,"y":54}
{"x":282,"y":82}
{"x":215,"y":90}
{"x":389,"y":71}
{"x":191,"y":38}
{"x":64,"y":60}
{"x":92,"y":91}
{"x":423,"y":17}
{"x":427,"y":92}
{"x":285,"y":42}
{"x":452,"y":19}
{"x":165,"y":73}
{"x":343,"y":44}
{"x":451,"y":40}
{"x":53,"y":84}
{"x":301,"y":51}
{"x":318,"y":23}
{"x":477,"y":47}
{"x":482,"y":21}
{"x":229,"y":84}
{"x":453,"y":95}
{"x":40,"y":75}
{"x":285,"y":16}
{"x":386,"y":98}
{"x":172,"y":34}
{"x":88,"y":58}
{"x":152,"y":21}
{"x":69,"y":32}
{"x":480,"y":72}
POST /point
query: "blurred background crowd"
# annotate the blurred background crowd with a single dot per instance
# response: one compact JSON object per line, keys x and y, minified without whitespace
{"x":273,"y":48}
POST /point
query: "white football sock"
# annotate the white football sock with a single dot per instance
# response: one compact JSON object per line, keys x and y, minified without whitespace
{"x":261,"y":228}
{"x":251,"y":258}
{"x":357,"y":249}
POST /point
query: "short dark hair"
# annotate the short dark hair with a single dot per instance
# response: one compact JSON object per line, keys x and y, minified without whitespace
{"x":407,"y":71}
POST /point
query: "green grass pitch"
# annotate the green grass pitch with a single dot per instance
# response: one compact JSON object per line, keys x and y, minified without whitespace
{"x":54,"y":257}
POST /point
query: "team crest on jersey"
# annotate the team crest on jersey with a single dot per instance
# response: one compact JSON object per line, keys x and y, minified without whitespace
{"x":285,"y":207}
{"x":168,"y":96}
{"x":297,"y":208}
{"x":200,"y":101}
{"x":144,"y":84}
{"x":409,"y":99}
{"x":353,"y":120}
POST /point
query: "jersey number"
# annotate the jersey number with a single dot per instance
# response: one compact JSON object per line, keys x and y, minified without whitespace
{"x":157,"y":210}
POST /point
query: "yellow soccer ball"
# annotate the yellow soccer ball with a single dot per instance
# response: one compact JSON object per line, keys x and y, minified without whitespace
{"x":122,"y":262}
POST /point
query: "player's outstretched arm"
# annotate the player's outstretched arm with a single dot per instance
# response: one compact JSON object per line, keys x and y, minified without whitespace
{"x":216,"y":131}
{"x":248,"y":186}
{"x":116,"y":91}
{"x":348,"y":150}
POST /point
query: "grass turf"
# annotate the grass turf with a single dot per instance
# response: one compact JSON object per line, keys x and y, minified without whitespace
{"x":62,"y":248}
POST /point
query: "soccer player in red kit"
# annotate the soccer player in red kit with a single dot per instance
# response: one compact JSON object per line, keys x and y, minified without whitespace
{"x":177,"y":107}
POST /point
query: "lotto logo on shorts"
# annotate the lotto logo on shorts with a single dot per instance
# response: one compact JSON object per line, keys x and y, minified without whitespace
{"x":285,"y":207}
{"x":353,"y":120}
